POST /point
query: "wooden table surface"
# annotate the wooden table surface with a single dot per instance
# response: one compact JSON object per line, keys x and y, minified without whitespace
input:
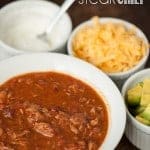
{"x":137,"y":14}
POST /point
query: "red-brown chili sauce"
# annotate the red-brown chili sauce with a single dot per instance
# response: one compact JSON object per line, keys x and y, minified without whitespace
{"x":46,"y":111}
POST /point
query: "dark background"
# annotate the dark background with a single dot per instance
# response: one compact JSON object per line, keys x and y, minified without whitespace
{"x":137,"y":14}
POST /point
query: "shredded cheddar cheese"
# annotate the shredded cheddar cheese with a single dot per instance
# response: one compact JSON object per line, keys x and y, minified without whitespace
{"x":109,"y":46}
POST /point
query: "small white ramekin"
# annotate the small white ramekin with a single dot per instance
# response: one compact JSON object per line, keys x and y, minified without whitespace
{"x":137,"y":133}
{"x":120,"y":77}
{"x":22,"y":7}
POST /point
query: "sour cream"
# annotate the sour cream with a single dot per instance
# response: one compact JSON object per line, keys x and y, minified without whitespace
{"x":22,"y":22}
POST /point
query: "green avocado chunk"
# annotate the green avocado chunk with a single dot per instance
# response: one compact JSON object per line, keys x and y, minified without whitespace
{"x":137,"y":110}
{"x":134,"y":95}
{"x":142,"y":120}
{"x":146,"y":113}
{"x":145,"y":100}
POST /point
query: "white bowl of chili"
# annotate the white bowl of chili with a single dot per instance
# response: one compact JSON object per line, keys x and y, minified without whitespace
{"x":80,"y":70}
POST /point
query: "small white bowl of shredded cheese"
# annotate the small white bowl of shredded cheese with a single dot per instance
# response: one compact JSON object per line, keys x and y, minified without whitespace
{"x":115,"y":46}
{"x":22,"y":22}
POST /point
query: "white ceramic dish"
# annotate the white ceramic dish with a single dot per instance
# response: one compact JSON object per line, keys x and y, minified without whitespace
{"x":98,"y":80}
{"x":35,"y":14}
{"x":120,"y":77}
{"x":137,"y":133}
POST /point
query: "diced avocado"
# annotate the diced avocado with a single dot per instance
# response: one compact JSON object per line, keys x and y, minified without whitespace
{"x":146,"y":86}
{"x":142,"y":120}
{"x":145,"y":100}
{"x":134,"y":95}
{"x":146,"y":113}
{"x":141,"y":84}
{"x":137,"y":110}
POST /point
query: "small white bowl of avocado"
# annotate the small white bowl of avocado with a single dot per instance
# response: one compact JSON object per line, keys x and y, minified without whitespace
{"x":136,"y":93}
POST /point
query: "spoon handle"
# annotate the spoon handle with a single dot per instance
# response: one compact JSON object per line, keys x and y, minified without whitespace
{"x":62,"y":10}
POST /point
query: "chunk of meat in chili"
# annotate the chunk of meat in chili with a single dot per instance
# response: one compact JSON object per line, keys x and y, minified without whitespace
{"x":44,"y":129}
{"x":3,"y":147}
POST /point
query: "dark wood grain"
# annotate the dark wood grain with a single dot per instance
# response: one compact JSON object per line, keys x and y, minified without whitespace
{"x":137,"y":14}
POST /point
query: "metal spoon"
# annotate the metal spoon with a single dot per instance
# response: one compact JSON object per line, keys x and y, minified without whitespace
{"x":63,"y":9}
